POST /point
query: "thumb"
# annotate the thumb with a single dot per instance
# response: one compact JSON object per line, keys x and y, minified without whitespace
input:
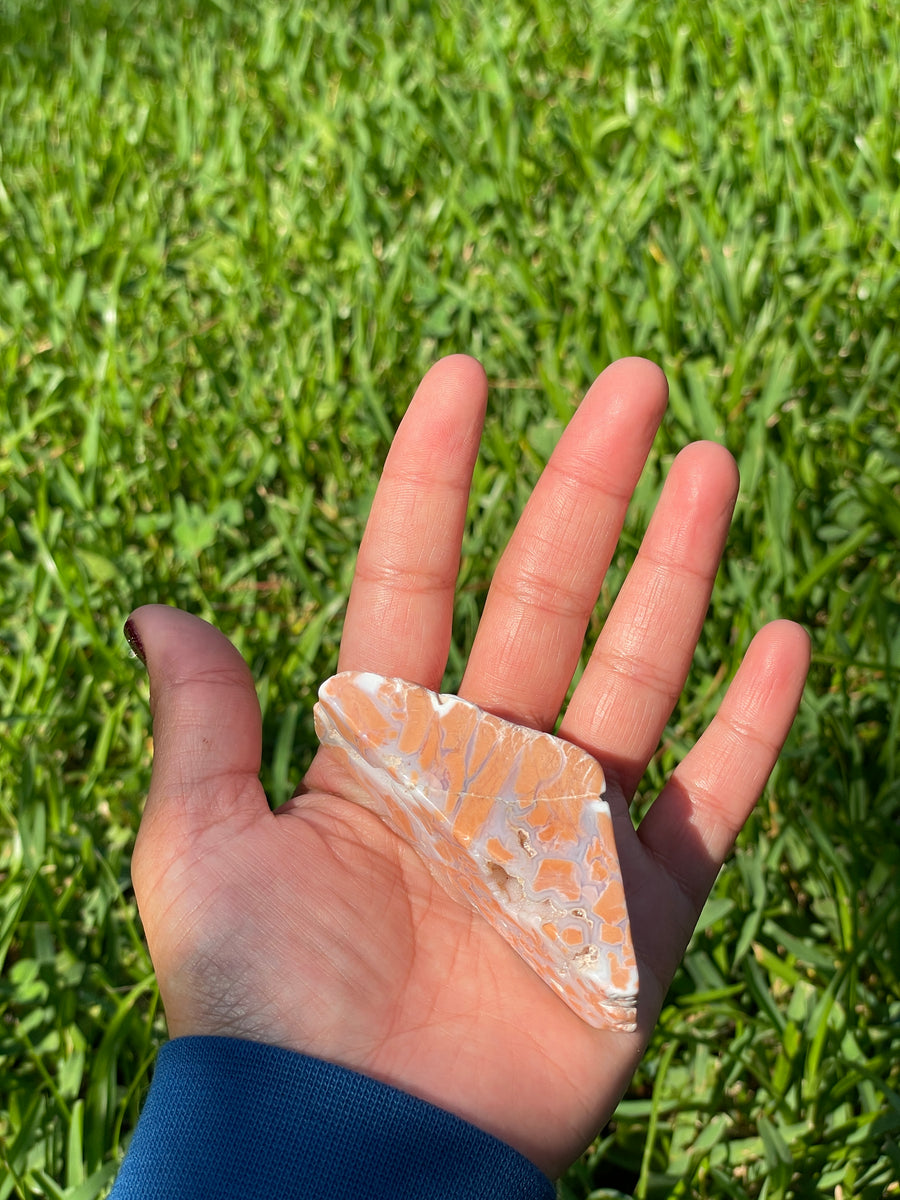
{"x":207,"y":729}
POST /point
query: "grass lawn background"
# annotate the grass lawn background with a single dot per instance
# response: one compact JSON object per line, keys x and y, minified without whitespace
{"x":232,"y":237}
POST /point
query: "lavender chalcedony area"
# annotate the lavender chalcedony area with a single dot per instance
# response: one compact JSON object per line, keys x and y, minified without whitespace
{"x":509,"y":820}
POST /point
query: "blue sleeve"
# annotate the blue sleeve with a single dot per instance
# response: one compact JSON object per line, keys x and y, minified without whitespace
{"x":227,"y":1119}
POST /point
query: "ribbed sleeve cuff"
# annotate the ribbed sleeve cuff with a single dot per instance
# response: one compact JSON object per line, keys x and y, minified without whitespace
{"x":226,"y":1119}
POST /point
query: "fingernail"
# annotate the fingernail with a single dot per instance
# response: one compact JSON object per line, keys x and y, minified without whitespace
{"x":133,"y":639}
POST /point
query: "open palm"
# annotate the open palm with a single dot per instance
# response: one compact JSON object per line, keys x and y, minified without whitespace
{"x":314,"y":927}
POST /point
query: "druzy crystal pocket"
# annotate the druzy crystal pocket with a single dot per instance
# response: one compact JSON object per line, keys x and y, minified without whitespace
{"x":507,"y":819}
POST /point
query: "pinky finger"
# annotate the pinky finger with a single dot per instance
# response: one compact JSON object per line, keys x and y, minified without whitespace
{"x":694,"y":821}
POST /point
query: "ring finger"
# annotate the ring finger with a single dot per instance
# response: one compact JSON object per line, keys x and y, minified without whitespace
{"x":642,"y":657}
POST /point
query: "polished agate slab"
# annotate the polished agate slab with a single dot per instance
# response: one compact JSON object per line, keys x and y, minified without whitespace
{"x":507,"y":819}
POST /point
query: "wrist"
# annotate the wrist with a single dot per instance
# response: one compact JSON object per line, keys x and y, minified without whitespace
{"x":261,"y":1121}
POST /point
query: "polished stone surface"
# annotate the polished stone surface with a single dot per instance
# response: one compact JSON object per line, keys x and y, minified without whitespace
{"x":508,"y":819}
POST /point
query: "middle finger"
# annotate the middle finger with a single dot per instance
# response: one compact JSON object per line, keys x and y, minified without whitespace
{"x":547,"y":582}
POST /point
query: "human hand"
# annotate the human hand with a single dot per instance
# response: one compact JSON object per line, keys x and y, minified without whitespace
{"x":314,"y":927}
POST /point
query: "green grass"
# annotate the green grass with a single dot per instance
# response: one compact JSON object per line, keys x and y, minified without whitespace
{"x":230,"y":243}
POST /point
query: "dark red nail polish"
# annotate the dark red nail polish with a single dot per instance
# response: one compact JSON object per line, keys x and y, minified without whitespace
{"x":133,"y":639}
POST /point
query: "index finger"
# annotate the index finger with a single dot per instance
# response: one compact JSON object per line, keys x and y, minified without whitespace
{"x":400,"y":613}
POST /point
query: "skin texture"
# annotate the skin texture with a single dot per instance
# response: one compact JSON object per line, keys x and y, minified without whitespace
{"x":316,"y":929}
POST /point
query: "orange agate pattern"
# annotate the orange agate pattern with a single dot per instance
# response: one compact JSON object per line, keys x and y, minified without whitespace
{"x":509,"y":819}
